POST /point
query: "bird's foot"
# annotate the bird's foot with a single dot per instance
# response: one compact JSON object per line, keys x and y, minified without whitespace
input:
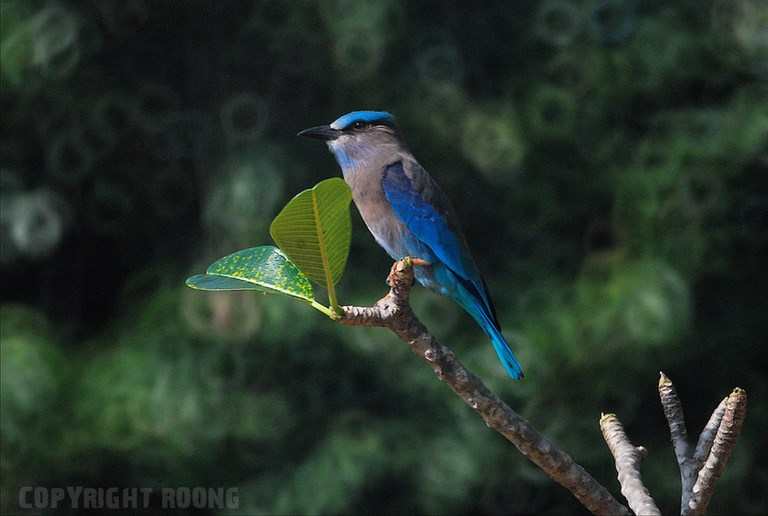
{"x":402,"y":264}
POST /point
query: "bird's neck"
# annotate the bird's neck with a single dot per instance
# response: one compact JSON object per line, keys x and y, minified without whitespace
{"x":346,"y":161}
{"x":353,"y":161}
{"x":359,"y":159}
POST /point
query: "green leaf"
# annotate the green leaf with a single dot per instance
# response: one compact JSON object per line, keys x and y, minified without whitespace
{"x":218,"y":283}
{"x":263,"y":268}
{"x":314,"y":230}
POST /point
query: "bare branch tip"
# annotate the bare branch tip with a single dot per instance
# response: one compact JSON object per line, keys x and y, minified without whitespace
{"x":736,"y":402}
{"x":739,"y":393}
{"x":664,"y":381}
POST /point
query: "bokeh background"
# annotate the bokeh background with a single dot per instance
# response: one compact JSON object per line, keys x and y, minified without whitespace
{"x":609,"y":159}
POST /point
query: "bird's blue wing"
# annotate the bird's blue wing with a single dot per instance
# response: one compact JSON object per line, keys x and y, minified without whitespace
{"x":420,"y":204}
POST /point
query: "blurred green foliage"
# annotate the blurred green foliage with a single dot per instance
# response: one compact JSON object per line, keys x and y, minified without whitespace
{"x":609,"y":160}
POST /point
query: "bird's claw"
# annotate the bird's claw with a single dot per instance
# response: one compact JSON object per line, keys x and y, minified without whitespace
{"x":418,"y":262}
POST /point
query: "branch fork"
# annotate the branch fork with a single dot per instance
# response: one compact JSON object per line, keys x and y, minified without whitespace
{"x":703,"y":464}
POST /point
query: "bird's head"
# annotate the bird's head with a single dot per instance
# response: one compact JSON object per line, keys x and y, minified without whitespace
{"x":357,"y":137}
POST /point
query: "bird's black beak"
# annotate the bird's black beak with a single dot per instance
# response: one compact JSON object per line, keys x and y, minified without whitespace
{"x":321,"y":132}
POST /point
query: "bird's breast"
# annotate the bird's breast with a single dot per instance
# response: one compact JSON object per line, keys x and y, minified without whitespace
{"x":385,"y":226}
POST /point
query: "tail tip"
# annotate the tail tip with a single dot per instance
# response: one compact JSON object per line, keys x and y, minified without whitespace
{"x":514,"y":370}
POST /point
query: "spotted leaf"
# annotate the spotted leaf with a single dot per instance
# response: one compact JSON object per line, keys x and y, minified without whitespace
{"x":265,"y":269}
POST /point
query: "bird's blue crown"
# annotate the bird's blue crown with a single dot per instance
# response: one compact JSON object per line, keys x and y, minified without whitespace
{"x":345,"y":121}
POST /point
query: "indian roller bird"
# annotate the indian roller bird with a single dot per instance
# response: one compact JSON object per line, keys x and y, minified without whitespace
{"x":409,"y":215}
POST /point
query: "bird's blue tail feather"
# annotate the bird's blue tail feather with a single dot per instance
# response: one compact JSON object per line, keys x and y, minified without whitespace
{"x":507,"y":358}
{"x":479,"y":312}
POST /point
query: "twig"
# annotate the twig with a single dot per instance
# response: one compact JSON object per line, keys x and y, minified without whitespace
{"x":722,"y":447}
{"x":673,"y":410}
{"x":627,"y":458}
{"x":394,"y":312}
{"x":707,"y":436}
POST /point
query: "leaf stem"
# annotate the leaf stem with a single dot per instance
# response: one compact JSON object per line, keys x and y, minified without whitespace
{"x":332,"y":298}
{"x":324,"y":309}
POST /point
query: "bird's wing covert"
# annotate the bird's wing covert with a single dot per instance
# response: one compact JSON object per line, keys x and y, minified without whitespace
{"x":420,"y":204}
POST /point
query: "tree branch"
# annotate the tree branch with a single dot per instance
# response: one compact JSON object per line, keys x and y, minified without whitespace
{"x":725,"y":441}
{"x":700,"y":466}
{"x":393,"y":312}
{"x":627,"y":458}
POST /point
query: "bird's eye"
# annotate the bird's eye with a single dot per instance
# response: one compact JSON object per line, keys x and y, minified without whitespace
{"x":359,"y":125}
